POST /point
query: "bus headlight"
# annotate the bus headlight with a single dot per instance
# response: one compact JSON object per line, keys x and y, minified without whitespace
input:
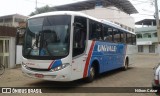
{"x":24,"y":65}
{"x":60,"y":67}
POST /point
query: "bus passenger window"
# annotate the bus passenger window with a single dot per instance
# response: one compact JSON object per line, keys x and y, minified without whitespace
{"x":116,"y":36}
{"x":129,"y":38}
{"x":95,"y":31}
{"x":134,"y":39}
{"x":79,"y":35}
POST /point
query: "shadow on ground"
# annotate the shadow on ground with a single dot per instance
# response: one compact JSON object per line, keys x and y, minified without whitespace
{"x":72,"y":86}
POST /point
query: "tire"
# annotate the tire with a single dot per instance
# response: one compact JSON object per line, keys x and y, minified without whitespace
{"x":2,"y":69}
{"x":126,"y":65}
{"x":91,"y":74}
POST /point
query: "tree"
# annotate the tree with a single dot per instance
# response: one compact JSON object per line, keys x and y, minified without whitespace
{"x":43,"y":10}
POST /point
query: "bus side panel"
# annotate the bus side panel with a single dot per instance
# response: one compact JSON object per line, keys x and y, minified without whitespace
{"x":80,"y":63}
{"x":109,"y":55}
{"x":131,"y":53}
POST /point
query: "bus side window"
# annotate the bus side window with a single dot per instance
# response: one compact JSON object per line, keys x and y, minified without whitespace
{"x":108,"y":34}
{"x":105,"y":32}
{"x":79,"y":35}
{"x":123,"y":37}
{"x":116,"y":36}
{"x":134,"y":39}
{"x":129,"y":38}
{"x":95,"y":30}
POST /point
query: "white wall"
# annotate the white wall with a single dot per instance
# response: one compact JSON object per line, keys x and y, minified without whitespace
{"x":12,"y":52}
{"x":111,"y":14}
{"x":18,"y":54}
{"x":145,"y":49}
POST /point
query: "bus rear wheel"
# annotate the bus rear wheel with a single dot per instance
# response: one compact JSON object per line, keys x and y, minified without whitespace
{"x":91,"y":74}
{"x":126,"y":65}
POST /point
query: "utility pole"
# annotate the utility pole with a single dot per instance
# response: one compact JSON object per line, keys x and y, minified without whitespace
{"x":36,"y":5}
{"x":158,"y":26}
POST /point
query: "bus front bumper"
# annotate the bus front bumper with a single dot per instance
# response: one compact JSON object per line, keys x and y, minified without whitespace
{"x":61,"y":75}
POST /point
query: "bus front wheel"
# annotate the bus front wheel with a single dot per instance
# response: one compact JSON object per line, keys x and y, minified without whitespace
{"x":91,"y":74}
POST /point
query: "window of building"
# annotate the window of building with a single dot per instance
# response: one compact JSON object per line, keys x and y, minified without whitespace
{"x":8,"y":19}
{"x":129,"y":28}
{"x":1,"y":20}
{"x":125,"y":27}
{"x":121,"y":25}
{"x":139,"y":35}
{"x":140,"y":48}
{"x":155,"y":34}
{"x":19,"y":19}
{"x":147,"y":35}
{"x":151,"y":48}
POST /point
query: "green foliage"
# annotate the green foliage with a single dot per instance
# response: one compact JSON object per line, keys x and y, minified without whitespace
{"x":43,"y":10}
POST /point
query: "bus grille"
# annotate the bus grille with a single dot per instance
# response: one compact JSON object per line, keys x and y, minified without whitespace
{"x":36,"y":69}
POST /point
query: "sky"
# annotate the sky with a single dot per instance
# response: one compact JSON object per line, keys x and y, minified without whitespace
{"x":25,"y":7}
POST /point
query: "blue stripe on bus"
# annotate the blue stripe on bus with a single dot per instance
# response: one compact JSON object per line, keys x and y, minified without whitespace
{"x":56,"y":63}
{"x":109,"y":55}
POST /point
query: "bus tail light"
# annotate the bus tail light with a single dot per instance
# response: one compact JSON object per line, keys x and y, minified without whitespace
{"x":156,"y":82}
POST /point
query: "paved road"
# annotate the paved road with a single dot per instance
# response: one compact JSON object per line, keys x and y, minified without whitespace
{"x":138,"y":75}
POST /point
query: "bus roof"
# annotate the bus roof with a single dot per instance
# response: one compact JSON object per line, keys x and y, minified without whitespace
{"x":115,"y":25}
{"x":83,"y":15}
{"x":65,"y":13}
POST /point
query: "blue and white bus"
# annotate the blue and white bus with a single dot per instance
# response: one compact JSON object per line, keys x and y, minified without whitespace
{"x":66,"y":46}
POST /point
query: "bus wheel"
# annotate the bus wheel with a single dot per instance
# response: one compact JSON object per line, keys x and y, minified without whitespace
{"x":91,"y":74}
{"x":126,"y":65}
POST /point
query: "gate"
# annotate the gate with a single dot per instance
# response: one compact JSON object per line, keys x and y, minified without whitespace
{"x":7,"y":51}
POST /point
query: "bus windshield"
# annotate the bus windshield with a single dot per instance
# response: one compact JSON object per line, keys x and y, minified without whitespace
{"x":47,"y":37}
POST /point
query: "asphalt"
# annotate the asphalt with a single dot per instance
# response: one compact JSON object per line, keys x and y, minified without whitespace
{"x":139,"y":74}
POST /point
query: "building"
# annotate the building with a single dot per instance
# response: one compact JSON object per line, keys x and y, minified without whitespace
{"x":7,"y":46}
{"x":117,"y":11}
{"x":8,"y":31}
{"x":147,"y":39}
{"x":112,"y":14}
{"x":12,"y":20}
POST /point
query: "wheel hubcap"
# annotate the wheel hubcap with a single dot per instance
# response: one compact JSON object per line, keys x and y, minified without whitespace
{"x":92,"y":73}
{"x":126,"y":65}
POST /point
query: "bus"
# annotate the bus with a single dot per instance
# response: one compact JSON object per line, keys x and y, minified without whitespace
{"x":67,"y":45}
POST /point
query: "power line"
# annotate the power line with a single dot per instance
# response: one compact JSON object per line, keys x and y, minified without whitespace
{"x":38,"y":2}
{"x":141,"y":3}
{"x":120,"y":10}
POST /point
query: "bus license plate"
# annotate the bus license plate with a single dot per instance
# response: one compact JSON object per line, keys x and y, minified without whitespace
{"x":39,"y":75}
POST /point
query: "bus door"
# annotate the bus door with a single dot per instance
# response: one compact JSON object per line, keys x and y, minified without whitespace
{"x":79,"y":45}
